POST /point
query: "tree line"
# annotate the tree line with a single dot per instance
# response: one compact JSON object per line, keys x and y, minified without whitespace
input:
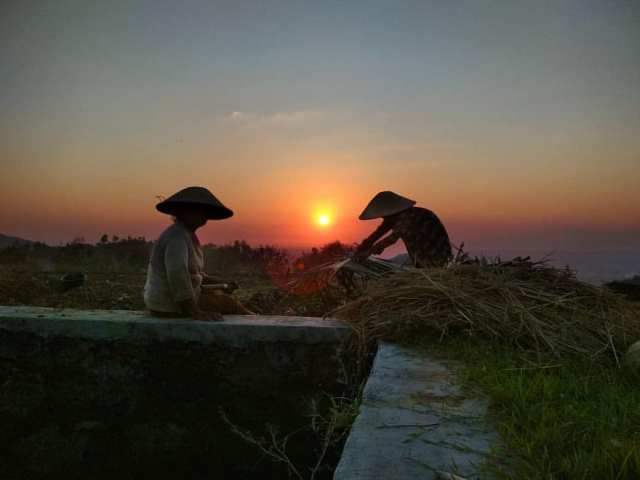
{"x":131,"y":254}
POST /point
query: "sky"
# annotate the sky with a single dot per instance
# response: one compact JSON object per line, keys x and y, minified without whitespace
{"x":517,"y":122}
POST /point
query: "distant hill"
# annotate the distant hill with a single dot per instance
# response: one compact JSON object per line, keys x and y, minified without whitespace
{"x":7,"y":241}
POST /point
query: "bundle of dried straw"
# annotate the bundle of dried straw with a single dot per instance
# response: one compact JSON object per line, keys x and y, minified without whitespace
{"x":530,"y":305}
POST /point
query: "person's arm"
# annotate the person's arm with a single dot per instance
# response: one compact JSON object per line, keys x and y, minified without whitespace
{"x":230,"y":285}
{"x":176,"y":260}
{"x":387,"y":241}
{"x":364,"y":249}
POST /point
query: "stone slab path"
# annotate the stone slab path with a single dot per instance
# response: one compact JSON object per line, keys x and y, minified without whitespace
{"x":415,"y":421}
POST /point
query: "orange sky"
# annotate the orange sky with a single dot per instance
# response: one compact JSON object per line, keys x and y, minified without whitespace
{"x":518,"y":125}
{"x":277,"y":197}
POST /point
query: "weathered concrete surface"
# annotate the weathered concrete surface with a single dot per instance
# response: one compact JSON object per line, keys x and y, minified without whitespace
{"x":95,"y":394}
{"x":135,"y":325}
{"x":415,"y":421}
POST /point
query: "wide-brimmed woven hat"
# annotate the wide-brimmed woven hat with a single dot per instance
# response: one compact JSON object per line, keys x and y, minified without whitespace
{"x":196,"y":196}
{"x":385,"y":204}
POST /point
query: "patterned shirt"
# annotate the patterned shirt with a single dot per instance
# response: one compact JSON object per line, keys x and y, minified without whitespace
{"x":421,"y":231}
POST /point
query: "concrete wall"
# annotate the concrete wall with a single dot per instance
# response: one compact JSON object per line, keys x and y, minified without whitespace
{"x":91,"y":394}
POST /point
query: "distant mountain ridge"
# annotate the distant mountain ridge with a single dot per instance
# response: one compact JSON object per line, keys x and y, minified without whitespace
{"x":8,"y":240}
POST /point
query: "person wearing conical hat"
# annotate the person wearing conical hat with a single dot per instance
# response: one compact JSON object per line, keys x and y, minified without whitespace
{"x":420,"y":229}
{"x":175,"y":277}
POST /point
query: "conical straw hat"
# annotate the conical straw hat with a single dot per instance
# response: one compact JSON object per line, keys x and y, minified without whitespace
{"x":199,"y":196}
{"x":385,"y":204}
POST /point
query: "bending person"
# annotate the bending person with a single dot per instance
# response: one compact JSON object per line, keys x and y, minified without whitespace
{"x":176,"y":276}
{"x":420,"y":229}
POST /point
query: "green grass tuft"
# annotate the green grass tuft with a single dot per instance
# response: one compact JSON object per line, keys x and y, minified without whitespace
{"x":573,"y":419}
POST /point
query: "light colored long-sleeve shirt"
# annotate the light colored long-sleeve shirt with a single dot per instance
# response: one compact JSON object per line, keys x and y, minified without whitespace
{"x":175,"y":270}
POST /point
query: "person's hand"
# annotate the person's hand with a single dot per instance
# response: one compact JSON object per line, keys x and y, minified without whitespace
{"x":358,"y":258}
{"x":376,"y":250}
{"x":359,"y":255}
{"x":231,"y":287}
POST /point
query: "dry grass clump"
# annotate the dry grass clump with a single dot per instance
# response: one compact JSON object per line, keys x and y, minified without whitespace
{"x":346,"y":274}
{"x":530,"y":305}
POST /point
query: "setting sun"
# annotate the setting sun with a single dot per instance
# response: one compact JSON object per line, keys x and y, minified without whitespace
{"x":324,"y":219}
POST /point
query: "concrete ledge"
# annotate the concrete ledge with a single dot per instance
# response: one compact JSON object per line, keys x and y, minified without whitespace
{"x":414,"y":421}
{"x":91,"y":394}
{"x":235,"y":330}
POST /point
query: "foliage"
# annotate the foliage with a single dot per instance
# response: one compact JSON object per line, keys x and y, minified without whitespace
{"x":132,"y":255}
{"x":239,"y":256}
{"x":328,"y":425}
{"x":115,"y":274}
{"x":559,"y":419}
{"x":125,"y":255}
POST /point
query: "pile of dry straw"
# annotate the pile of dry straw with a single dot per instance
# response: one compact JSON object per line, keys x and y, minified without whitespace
{"x":530,"y":305}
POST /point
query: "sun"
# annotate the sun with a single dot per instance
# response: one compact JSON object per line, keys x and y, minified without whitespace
{"x":322,"y":216}
{"x":324,"y":219}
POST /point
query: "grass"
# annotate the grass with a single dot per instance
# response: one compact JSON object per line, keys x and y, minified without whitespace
{"x":101,"y":290}
{"x":574,"y":419}
{"x":328,"y":428}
